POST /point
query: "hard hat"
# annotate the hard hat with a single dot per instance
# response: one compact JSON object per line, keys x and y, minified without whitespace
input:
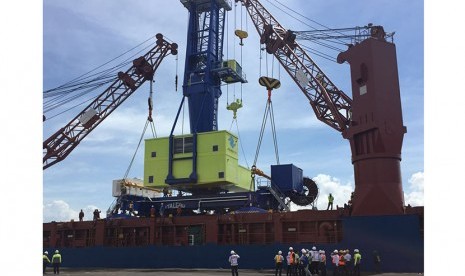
{"x":335,"y":251}
{"x":355,"y":250}
{"x":304,"y":251}
{"x":56,"y":251}
{"x":314,"y":248}
{"x":46,"y":252}
{"x":321,"y":251}
{"x":232,"y":252}
{"x":280,"y":252}
{"x":291,"y":249}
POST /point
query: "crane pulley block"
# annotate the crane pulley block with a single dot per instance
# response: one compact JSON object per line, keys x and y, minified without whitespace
{"x":143,"y":68}
{"x":269,"y":83}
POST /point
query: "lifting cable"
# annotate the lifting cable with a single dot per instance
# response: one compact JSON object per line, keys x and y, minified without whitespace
{"x":270,"y":84}
{"x":86,"y":83}
{"x":149,"y":121}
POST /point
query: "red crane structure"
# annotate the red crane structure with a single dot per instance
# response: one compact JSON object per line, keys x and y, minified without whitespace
{"x":60,"y":144}
{"x":371,"y":121}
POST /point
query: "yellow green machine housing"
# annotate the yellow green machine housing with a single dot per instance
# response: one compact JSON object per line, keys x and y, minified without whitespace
{"x":217,"y":162}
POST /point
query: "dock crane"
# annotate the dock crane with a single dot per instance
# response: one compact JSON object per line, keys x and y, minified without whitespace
{"x":371,"y":121}
{"x":61,"y":143}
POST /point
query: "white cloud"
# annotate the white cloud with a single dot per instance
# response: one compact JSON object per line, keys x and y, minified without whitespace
{"x":59,"y":210}
{"x":415,"y":197}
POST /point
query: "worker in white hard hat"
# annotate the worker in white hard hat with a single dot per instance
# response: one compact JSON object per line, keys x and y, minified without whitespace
{"x":357,"y":260}
{"x":56,"y":262}
{"x":335,"y":262}
{"x":348,"y":261}
{"x":303,"y":263}
{"x":289,"y":262}
{"x":278,"y":259}
{"x":234,"y":264}
{"x":45,"y":261}
{"x":314,"y":261}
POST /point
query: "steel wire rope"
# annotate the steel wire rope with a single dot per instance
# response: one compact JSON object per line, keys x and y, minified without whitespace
{"x":303,"y":16}
{"x":55,"y":103}
{"x":77,"y":78}
{"x":106,"y":75}
{"x":324,"y":45}
{"x":273,"y":130}
{"x":137,"y":148}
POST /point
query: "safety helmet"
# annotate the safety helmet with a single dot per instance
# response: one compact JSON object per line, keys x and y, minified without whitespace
{"x":314,"y":248}
{"x":56,"y":251}
{"x":321,"y":251}
{"x":304,"y":251}
{"x":280,"y":252}
{"x":46,"y":252}
{"x":335,"y":251}
{"x":355,"y":250}
{"x":232,"y":252}
{"x":291,"y":249}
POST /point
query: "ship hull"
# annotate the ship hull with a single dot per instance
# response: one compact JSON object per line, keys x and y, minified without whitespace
{"x":398,"y":239}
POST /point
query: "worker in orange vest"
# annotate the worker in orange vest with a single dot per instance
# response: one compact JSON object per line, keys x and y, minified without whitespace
{"x":342,"y":263}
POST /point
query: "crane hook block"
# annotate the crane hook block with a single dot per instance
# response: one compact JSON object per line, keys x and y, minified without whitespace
{"x":241,"y":34}
{"x":234,"y":106}
{"x":269,"y":83}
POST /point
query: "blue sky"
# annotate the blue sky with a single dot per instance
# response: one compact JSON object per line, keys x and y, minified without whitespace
{"x":79,"y":36}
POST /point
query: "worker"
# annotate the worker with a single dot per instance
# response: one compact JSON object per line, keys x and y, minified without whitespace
{"x":342,"y":263}
{"x":303,"y":263}
{"x":56,"y":262}
{"x":348,"y":261}
{"x":377,"y":261}
{"x":234,"y":263}
{"x":295,"y":266}
{"x":314,"y":261}
{"x":292,"y":269}
{"x":96,"y":214}
{"x":335,"y":262}
{"x":322,"y":264}
{"x":81,"y":215}
{"x":131,"y":208}
{"x":278,"y":259}
{"x":152,"y":212}
{"x":357,"y":260}
{"x":162,"y":209}
{"x":330,"y":201}
{"x":289,"y":262}
{"x":45,"y":261}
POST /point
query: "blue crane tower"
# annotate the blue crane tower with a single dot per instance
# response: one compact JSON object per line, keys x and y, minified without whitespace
{"x":204,"y":67}
{"x":204,"y":71}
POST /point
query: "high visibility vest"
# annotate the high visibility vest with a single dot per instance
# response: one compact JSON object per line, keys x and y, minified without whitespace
{"x":330,"y":199}
{"x":278,"y":258}
{"x":342,"y":261}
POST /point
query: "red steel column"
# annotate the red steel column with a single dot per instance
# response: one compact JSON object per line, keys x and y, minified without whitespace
{"x":376,"y":131}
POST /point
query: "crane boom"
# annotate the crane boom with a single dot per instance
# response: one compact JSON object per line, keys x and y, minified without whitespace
{"x":331,"y":105}
{"x":60,"y":144}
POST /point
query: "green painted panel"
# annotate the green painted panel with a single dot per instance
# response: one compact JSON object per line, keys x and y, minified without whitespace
{"x":217,"y":161}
